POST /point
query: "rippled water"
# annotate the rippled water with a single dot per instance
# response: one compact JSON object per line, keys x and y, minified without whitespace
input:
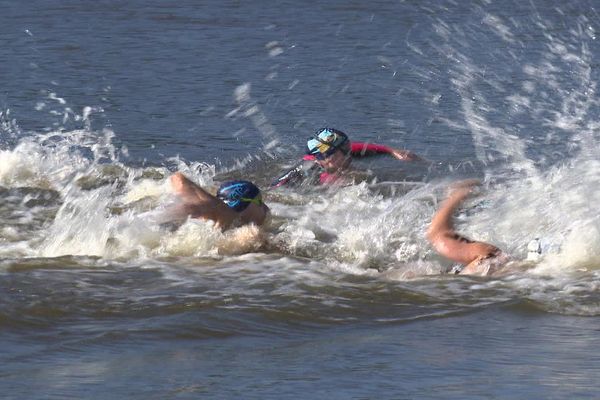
{"x":340,"y":296}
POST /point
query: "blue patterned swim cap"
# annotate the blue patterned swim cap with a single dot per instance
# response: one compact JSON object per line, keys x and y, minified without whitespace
{"x":239,"y":194}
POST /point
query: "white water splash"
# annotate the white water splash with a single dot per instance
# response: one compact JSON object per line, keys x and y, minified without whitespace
{"x":252,"y":110}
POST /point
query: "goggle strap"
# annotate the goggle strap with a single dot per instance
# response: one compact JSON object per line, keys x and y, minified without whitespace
{"x":257,"y":200}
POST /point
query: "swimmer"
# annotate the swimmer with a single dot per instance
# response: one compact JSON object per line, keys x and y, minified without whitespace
{"x":236,"y":203}
{"x":478,"y":258}
{"x":330,"y":152}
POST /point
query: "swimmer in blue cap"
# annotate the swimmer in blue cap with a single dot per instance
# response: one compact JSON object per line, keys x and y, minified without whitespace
{"x":236,"y":203}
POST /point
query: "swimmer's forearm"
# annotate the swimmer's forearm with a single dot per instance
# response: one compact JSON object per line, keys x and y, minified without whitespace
{"x":442,"y":221}
{"x":405,"y":155}
{"x":200,"y":203}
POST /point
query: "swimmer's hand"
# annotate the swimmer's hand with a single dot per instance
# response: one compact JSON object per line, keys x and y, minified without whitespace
{"x":404,"y":155}
{"x":462,"y":189}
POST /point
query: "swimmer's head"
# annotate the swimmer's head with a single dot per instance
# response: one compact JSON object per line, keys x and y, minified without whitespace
{"x":238,"y":195}
{"x":245,"y":198}
{"x":326,"y":142}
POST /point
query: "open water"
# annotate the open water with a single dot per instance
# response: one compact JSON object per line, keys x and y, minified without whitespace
{"x":343,"y":299}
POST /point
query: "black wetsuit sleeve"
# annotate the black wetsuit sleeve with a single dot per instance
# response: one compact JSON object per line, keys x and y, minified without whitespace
{"x":293,"y":176}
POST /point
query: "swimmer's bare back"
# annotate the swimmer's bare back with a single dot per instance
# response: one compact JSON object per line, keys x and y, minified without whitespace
{"x":450,"y":244}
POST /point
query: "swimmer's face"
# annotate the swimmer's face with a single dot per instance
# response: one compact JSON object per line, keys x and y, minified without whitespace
{"x":335,"y":162}
{"x":256,"y":213}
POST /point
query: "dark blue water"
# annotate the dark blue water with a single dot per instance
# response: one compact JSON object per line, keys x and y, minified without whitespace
{"x":100,"y":101}
{"x":495,"y":357}
{"x":170,"y":71}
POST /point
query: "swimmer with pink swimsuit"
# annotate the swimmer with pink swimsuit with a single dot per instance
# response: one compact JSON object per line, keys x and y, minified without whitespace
{"x":331,"y":152}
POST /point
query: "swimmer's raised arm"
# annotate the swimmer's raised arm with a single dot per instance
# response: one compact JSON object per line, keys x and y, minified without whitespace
{"x":236,"y":203}
{"x":188,"y":190}
{"x":450,"y":244}
{"x":198,"y":203}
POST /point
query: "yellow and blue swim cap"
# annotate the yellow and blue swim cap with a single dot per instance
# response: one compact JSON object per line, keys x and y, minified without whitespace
{"x":325,"y":142}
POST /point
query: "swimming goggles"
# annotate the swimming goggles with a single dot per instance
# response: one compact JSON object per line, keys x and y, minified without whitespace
{"x":237,"y":194}
{"x":257,"y":200}
{"x":325,"y":143}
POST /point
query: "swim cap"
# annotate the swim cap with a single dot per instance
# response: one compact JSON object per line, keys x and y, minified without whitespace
{"x":239,"y":194}
{"x":326,"y":142}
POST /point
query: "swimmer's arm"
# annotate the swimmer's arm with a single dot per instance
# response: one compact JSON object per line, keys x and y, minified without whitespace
{"x":404,"y":155}
{"x":360,"y":149}
{"x":188,"y":190}
{"x":296,"y":174}
{"x":201,"y":204}
{"x":215,"y":210}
